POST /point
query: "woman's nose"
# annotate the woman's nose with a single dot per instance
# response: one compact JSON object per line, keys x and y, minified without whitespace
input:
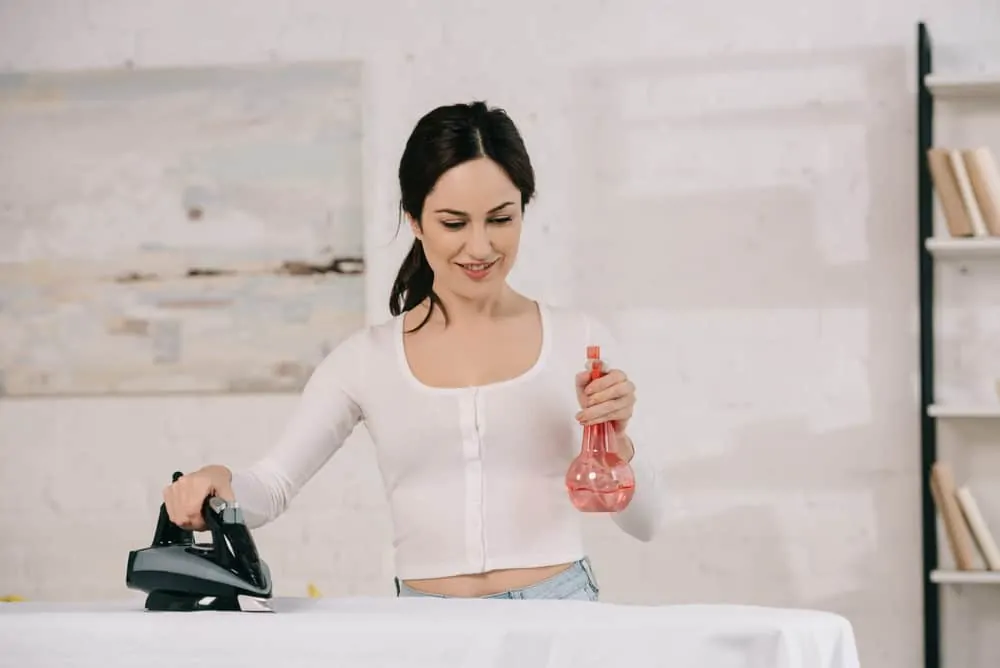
{"x":479,"y":245}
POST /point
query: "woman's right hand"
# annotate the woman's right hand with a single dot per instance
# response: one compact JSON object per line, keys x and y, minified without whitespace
{"x":185,"y":497}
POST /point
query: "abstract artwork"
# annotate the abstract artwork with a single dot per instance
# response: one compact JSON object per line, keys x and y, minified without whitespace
{"x":182,"y":230}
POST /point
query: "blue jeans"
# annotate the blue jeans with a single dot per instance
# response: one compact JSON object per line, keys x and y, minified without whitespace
{"x":576,"y":583}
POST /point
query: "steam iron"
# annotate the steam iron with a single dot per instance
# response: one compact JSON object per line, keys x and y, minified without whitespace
{"x":181,"y":575}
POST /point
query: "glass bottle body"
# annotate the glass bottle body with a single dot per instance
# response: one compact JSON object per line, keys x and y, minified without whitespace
{"x":598,"y":479}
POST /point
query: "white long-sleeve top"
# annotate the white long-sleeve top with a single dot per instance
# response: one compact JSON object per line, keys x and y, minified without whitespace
{"x":474,"y":476}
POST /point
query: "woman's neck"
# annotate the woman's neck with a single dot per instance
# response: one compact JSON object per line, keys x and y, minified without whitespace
{"x":463,"y":311}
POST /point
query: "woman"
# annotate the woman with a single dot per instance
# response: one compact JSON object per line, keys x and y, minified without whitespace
{"x":468,"y":392}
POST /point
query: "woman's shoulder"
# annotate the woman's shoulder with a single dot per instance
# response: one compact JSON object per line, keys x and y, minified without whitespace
{"x":574,"y":329}
{"x":576,"y":322}
{"x":353,"y":352}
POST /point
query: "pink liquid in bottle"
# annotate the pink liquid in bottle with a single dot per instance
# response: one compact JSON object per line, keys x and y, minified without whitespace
{"x":598,"y":480}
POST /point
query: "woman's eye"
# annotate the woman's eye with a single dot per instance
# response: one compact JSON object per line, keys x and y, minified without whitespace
{"x":459,"y":224}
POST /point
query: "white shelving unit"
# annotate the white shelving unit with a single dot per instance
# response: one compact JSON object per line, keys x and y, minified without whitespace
{"x":978,"y":90}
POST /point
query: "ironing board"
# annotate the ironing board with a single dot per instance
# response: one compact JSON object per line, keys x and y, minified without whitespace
{"x":425,"y":632}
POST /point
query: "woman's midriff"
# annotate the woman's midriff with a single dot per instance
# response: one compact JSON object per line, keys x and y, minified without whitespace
{"x":486,"y":584}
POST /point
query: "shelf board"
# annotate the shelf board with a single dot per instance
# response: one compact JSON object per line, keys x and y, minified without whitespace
{"x":966,"y":247}
{"x":971,"y":84}
{"x":966,"y":577}
{"x":964,"y":411}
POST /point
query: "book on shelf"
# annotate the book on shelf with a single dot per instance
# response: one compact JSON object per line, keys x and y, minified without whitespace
{"x":967,"y":184}
{"x":980,"y":531}
{"x":967,"y":533}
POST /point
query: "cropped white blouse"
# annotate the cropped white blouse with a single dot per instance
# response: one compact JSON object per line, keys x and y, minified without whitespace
{"x":473,"y":476}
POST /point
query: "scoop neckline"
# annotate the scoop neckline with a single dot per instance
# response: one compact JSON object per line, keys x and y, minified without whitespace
{"x":526,"y":375}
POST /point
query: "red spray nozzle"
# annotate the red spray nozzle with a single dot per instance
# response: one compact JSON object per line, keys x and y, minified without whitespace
{"x":593,"y":355}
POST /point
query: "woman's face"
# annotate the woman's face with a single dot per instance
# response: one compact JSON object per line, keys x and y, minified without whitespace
{"x":471,"y":228}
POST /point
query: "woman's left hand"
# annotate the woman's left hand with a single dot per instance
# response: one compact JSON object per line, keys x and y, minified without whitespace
{"x":609,"y":398}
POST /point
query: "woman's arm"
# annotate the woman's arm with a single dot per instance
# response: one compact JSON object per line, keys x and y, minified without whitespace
{"x":641,"y":519}
{"x":325,"y":415}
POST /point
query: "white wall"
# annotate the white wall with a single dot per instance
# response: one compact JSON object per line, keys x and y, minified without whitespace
{"x":737,"y":179}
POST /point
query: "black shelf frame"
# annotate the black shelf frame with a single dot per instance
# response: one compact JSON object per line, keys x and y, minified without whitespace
{"x":928,"y":425}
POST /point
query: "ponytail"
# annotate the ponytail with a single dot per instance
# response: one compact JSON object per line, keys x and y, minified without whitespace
{"x":414,"y":284}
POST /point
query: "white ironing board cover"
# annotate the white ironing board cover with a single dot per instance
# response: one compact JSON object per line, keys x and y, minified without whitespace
{"x":381,"y":632}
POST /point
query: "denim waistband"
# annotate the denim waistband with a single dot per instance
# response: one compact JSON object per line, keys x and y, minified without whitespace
{"x":571,"y":582}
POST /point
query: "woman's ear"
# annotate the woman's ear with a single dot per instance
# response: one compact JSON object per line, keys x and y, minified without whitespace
{"x":414,"y":226}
